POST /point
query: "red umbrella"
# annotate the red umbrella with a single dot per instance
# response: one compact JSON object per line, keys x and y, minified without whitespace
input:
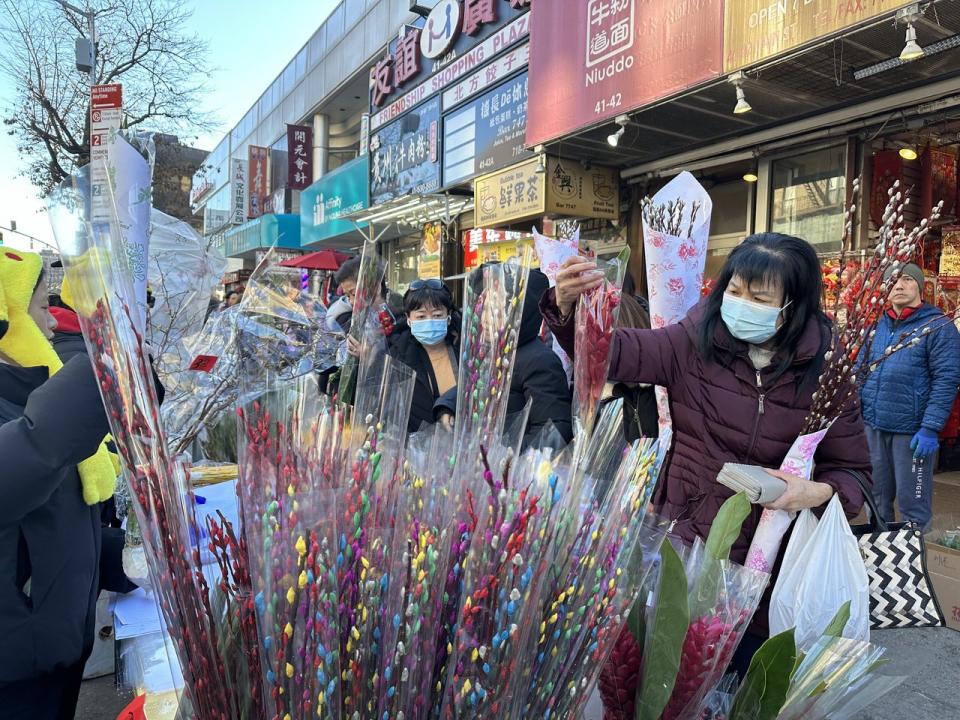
{"x":320,"y":260}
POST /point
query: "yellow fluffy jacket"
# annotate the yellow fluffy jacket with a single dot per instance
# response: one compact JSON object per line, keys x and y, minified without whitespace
{"x":24,"y":343}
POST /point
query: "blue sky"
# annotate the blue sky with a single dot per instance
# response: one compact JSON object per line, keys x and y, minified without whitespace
{"x":250,"y":43}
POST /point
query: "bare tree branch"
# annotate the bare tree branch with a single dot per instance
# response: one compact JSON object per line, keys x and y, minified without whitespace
{"x":143,"y":44}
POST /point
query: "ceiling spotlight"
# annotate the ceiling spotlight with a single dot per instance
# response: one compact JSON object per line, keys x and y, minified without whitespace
{"x":908,"y":153}
{"x":540,"y":169}
{"x":614,"y":138}
{"x":910,"y":15}
{"x":750,"y":177}
{"x":912,"y":50}
{"x":737,"y":79}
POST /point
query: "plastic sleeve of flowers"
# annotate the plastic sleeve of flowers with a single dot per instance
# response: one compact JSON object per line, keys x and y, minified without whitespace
{"x":366,"y":530}
{"x":594,"y":324}
{"x":713,"y":636}
{"x":826,"y":673}
{"x":492,"y":311}
{"x":602,"y":574}
{"x":290,"y":536}
{"x":863,"y":693}
{"x":503,"y":575}
{"x":207,"y":391}
{"x":95,"y":256}
{"x":364,"y":320}
{"x":415,"y":608}
{"x":285,"y":312}
{"x":184,"y":270}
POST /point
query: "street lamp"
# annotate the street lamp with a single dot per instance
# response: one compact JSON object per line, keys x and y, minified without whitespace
{"x":86,"y":47}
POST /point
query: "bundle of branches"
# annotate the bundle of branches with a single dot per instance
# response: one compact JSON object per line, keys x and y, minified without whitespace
{"x":668,"y":217}
{"x":845,"y":367}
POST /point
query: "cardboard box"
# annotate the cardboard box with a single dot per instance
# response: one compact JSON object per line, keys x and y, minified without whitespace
{"x":943,"y":563}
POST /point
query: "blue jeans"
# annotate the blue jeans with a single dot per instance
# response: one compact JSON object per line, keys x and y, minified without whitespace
{"x":898,"y":475}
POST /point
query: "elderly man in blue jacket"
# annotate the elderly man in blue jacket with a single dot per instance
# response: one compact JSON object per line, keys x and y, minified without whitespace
{"x":907,"y":400}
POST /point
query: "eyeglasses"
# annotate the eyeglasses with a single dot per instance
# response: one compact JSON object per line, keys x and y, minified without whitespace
{"x":432,"y":283}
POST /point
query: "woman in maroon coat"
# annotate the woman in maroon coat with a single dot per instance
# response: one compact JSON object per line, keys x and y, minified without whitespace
{"x":740,"y":369}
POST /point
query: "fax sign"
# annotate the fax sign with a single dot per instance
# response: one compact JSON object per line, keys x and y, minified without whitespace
{"x":442,"y":29}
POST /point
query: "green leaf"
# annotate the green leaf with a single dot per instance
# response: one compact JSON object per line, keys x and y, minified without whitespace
{"x":764,"y":689}
{"x":727,"y":525}
{"x":839,"y":622}
{"x":662,"y":653}
{"x":636,"y":622}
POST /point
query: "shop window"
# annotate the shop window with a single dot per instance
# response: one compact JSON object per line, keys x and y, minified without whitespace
{"x":403,"y":264}
{"x":808,"y":194}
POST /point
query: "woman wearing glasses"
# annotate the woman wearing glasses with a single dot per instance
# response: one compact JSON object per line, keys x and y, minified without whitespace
{"x":429,"y":343}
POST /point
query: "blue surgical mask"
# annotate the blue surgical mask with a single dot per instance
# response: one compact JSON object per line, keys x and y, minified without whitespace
{"x":749,"y":321}
{"x":429,"y":332}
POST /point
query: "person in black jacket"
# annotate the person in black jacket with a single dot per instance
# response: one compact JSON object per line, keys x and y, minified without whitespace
{"x":538,"y":376}
{"x":429,"y":343}
{"x":49,"y":534}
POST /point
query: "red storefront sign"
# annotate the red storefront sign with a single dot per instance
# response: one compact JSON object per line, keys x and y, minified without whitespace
{"x":258,"y":162}
{"x":592,"y":60}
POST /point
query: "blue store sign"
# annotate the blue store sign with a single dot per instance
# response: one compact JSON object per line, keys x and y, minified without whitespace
{"x":487,"y":134}
{"x":262,"y":233}
{"x":338,"y":194}
{"x":405,"y":155}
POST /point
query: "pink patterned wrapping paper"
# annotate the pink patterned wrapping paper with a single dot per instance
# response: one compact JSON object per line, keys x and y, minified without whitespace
{"x":775,"y":523}
{"x":675,"y":264}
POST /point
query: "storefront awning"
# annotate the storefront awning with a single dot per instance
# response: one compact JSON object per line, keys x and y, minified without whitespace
{"x":262,"y":233}
{"x":415,"y":211}
{"x":856,"y":68}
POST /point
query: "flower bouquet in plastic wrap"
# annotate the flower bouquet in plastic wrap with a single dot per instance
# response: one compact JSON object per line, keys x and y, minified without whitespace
{"x":594,"y":323}
{"x":183,"y":272}
{"x":216,"y":679}
{"x":676,"y":227}
{"x":836,"y":679}
{"x":702,"y":606}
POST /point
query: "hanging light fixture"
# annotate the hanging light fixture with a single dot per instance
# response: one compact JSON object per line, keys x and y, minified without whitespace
{"x":540,"y":169}
{"x":907,"y":152}
{"x":911,"y":50}
{"x":614,"y":138}
{"x":737,"y":79}
{"x":750,"y":177}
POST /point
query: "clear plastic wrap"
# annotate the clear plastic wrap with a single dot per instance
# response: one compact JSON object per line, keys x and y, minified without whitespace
{"x":594,"y":323}
{"x":96,"y":260}
{"x":183,"y":273}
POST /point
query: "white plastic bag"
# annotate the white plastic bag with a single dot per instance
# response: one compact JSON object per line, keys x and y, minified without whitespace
{"x":783,"y":597}
{"x":828,"y":573}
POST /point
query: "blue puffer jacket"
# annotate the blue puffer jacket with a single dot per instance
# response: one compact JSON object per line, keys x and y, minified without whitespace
{"x":916,"y":386}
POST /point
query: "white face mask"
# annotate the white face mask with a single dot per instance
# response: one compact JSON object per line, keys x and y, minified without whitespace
{"x":749,"y":321}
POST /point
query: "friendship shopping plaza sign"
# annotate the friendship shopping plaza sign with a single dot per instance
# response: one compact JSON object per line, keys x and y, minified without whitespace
{"x":498,"y":41}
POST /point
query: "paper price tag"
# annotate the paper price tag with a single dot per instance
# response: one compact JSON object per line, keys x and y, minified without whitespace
{"x":204,"y":363}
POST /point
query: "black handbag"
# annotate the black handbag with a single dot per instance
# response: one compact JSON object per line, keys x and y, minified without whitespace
{"x":901,"y":593}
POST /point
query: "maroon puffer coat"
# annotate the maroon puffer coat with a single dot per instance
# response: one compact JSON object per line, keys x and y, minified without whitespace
{"x":726,"y":414}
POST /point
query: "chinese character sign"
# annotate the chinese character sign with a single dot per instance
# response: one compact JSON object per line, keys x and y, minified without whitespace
{"x":451,"y":30}
{"x":238,"y":192}
{"x":404,"y":155}
{"x":299,"y":156}
{"x":513,"y":194}
{"x":479,"y":139}
{"x":258,"y":160}
{"x":604,"y":58}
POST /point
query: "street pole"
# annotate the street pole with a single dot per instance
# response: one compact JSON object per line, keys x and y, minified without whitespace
{"x":90,"y":17}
